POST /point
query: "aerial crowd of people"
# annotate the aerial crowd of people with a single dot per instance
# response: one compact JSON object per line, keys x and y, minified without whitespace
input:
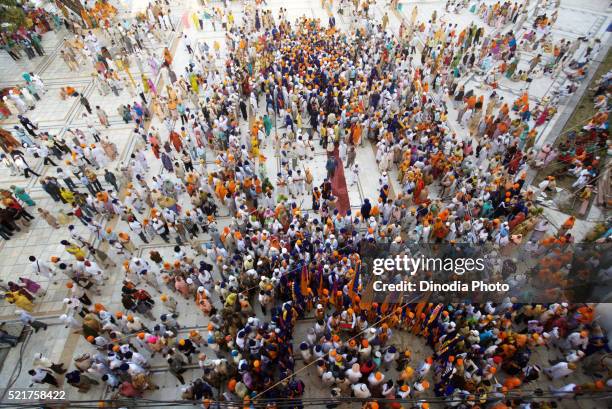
{"x":286,"y":249}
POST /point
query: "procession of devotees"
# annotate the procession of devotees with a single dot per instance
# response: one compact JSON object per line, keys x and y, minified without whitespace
{"x":263,"y":163}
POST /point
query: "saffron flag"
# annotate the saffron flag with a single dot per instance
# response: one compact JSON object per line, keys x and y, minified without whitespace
{"x":320,"y":277}
{"x":368,"y":296}
{"x":393,"y":298}
{"x":356,"y":278}
{"x":304,"y":280}
{"x":353,"y":286}
{"x":434,"y":313}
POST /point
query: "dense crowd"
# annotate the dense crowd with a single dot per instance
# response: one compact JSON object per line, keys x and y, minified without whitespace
{"x":292,"y":248}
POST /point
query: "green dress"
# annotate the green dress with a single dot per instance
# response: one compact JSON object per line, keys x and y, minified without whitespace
{"x":511,"y":68}
{"x":267,"y":124}
{"x":23,"y":196}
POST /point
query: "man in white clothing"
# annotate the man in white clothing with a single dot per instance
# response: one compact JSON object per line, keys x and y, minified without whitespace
{"x":42,"y":268}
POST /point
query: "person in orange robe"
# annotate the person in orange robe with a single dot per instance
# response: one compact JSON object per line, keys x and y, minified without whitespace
{"x":167,"y":56}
